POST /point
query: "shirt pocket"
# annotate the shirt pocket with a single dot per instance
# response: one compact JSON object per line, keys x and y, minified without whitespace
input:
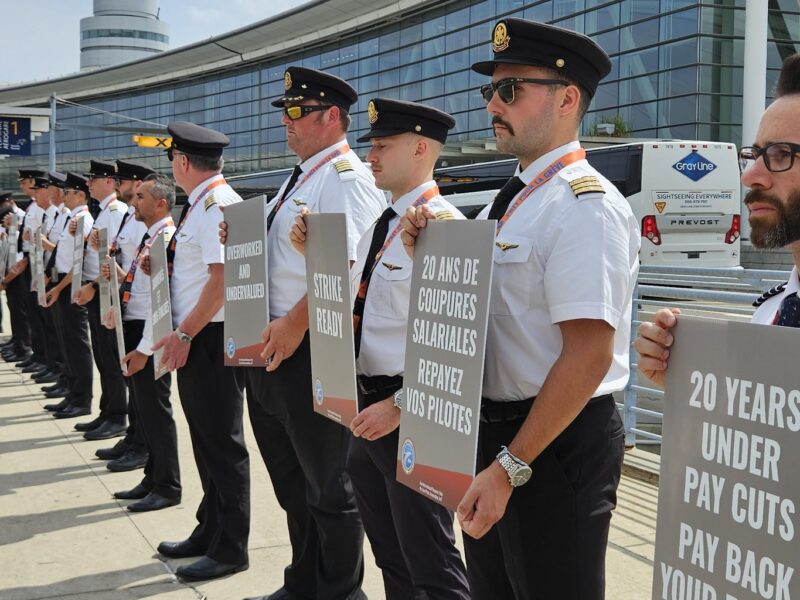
{"x":512,"y":284}
{"x":391,"y":281}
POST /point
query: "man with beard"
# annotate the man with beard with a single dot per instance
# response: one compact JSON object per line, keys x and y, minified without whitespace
{"x":771,"y":171}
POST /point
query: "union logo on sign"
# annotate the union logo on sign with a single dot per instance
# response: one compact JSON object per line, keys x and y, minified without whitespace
{"x":408,"y":456}
{"x":694,"y":166}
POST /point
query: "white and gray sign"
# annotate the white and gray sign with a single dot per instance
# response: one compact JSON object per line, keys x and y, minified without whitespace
{"x":115,"y":305}
{"x":77,"y":257}
{"x":729,"y":495}
{"x":160,"y":306}
{"x":13,"y":239}
{"x":5,"y":251}
{"x":443,"y":378}
{"x":246,"y":287}
{"x":38,"y":272}
{"x":330,"y":318}
{"x":104,"y":287}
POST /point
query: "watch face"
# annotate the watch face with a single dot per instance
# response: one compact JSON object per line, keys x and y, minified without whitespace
{"x":522,"y":475}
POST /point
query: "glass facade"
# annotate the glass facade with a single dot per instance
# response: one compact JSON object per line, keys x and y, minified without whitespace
{"x":677,"y":73}
{"x":124,"y":33}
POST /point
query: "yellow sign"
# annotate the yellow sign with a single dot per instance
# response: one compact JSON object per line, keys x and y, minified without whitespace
{"x":660,"y":206}
{"x":151,"y":141}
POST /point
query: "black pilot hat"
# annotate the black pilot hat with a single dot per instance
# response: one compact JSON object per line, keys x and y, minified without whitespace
{"x":392,"y":117}
{"x":29,"y":174}
{"x":521,"y":42}
{"x":191,"y":138}
{"x":101,"y":168}
{"x":132,"y":170}
{"x":57,"y":179}
{"x":301,"y":83}
{"x":41,"y":182}
{"x":76,"y":181}
{"x":4,"y":196}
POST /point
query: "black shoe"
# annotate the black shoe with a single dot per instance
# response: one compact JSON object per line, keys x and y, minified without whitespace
{"x":39,"y":372}
{"x":208,"y":568}
{"x":27,"y":362}
{"x":33,"y":367}
{"x":57,"y":407}
{"x":183,"y":549}
{"x":128,"y":462}
{"x":59,"y":392}
{"x":89,"y":425}
{"x":105,"y":431}
{"x":153,"y":502}
{"x":279,"y":594}
{"x":50,"y":388}
{"x":113,"y":453}
{"x":72,"y":411}
{"x":136,"y":493}
{"x":17,"y":356}
{"x":48,"y":377}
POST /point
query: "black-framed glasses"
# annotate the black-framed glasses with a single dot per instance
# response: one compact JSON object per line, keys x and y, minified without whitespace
{"x":298,"y":112}
{"x":505,"y":87}
{"x":778,"y":156}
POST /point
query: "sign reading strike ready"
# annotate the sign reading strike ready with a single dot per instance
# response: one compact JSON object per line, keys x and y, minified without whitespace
{"x":246,"y":288}
{"x":330,"y":318}
{"x":729,"y":495}
{"x":445,"y":345}
{"x":160,"y":305}
{"x":77,"y":257}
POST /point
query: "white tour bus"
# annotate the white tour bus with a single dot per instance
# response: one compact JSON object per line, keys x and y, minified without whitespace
{"x":685,"y":195}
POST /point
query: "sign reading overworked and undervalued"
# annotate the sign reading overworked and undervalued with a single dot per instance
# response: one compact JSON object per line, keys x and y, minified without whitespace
{"x":445,"y":345}
{"x":246,"y":287}
{"x":729,"y":494}
{"x":330,"y":318}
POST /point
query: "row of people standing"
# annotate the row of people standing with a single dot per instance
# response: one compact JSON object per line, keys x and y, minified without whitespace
{"x":550,"y":447}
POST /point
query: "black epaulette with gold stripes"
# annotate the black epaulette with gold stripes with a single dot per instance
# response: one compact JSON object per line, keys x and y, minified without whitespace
{"x":210,"y":201}
{"x":769,"y":294}
{"x":586,"y":185}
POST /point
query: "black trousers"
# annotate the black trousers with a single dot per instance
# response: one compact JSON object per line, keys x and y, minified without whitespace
{"x":551,"y":542}
{"x":113,"y":396}
{"x":149,"y":401}
{"x":16,"y":294}
{"x":73,"y":323}
{"x":306,"y":455}
{"x":35,"y":319}
{"x":411,"y":536}
{"x":54,"y":356}
{"x":211,"y":396}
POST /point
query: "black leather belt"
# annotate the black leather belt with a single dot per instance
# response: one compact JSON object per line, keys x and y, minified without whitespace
{"x":379,"y":383}
{"x":493,"y":411}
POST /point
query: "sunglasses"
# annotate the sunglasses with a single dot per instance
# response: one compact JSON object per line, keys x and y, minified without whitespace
{"x":505,"y":87}
{"x":171,"y":152}
{"x":298,"y":112}
{"x":778,"y":156}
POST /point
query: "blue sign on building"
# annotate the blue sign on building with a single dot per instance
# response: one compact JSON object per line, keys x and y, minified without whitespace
{"x":15,"y":136}
{"x":694,"y":166}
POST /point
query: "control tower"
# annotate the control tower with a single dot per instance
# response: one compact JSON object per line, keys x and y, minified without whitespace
{"x":122,"y":31}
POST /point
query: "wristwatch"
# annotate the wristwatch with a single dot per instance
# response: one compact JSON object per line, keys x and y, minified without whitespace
{"x":399,"y":399}
{"x":183,"y":337}
{"x":518,"y":470}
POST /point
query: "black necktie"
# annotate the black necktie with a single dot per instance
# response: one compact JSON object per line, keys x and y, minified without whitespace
{"x":292,"y":180}
{"x":789,"y":314}
{"x":94,"y":208}
{"x":173,"y":242}
{"x":500,"y":204}
{"x":20,"y":229}
{"x":378,"y":238}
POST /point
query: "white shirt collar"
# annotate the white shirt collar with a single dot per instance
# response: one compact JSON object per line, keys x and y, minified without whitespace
{"x":793,"y":285}
{"x":78,"y":209}
{"x":310,"y":163}
{"x":108,"y":200}
{"x":156,"y":226}
{"x":203,"y":185}
{"x":406,"y":200}
{"x":545,"y":160}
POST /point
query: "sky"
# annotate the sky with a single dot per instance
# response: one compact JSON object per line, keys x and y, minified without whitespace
{"x":44,"y":40}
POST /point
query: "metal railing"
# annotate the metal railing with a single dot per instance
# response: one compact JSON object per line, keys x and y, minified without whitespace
{"x":721,"y":293}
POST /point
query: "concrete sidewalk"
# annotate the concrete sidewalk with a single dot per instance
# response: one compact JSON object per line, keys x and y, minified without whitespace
{"x":63,"y":535}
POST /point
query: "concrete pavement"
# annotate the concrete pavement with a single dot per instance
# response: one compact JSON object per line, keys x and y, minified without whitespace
{"x":63,"y":535}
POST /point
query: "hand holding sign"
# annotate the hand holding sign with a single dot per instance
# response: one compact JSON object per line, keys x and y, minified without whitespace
{"x":376,"y":421}
{"x":653,"y":345}
{"x":298,"y":233}
{"x":415,"y":220}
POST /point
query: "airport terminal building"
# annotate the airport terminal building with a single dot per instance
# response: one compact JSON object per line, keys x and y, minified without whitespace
{"x":677,"y":73}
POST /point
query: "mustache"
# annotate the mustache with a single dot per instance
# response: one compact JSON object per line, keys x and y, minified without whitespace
{"x":763,"y":197}
{"x":498,"y":121}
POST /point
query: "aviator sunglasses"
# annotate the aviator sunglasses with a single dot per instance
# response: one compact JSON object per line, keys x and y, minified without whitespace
{"x":505,"y":87}
{"x":298,"y":112}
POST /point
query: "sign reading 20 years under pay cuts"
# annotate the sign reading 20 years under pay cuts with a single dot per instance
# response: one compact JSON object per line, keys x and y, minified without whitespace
{"x":445,"y":345}
{"x":729,"y":494}
{"x":246,"y":288}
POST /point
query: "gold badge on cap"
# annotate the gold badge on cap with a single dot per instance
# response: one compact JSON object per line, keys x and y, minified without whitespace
{"x":372,"y":112}
{"x":287,"y":80}
{"x":500,"y":37}
{"x":560,"y":62}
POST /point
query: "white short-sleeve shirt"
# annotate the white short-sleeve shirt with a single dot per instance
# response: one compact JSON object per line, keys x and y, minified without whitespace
{"x":112,"y":211}
{"x":559,"y":257}
{"x":343,"y":185}
{"x":128,"y":238}
{"x":385,"y":319}
{"x":55,"y":221}
{"x":198,"y":247}
{"x":34,"y":217}
{"x":66,"y":241}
